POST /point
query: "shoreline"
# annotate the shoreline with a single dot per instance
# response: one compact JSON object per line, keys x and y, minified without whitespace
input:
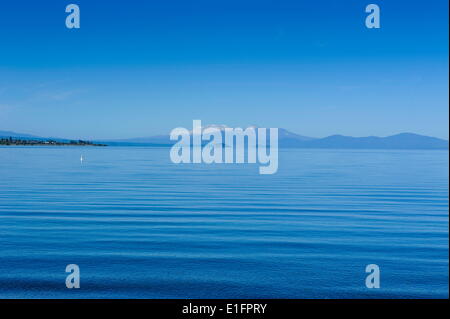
{"x":18,"y":142}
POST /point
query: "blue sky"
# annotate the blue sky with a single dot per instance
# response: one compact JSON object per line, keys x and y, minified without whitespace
{"x":138,"y":68}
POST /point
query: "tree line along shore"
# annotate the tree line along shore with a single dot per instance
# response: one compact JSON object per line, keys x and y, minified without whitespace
{"x":15,"y":141}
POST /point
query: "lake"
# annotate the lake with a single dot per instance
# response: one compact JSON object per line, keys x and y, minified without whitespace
{"x":139,"y":226}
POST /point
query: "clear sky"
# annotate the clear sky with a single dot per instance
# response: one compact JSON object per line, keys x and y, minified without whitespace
{"x":139,"y":68}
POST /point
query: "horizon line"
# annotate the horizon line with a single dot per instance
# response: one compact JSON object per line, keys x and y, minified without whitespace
{"x":31,"y":135}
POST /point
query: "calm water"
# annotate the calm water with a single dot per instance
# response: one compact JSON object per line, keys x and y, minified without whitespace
{"x":141,"y":227}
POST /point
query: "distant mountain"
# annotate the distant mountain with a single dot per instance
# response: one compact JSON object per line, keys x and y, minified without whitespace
{"x":398,"y":141}
{"x":286,"y":139}
{"x":7,"y":134}
{"x":289,"y":139}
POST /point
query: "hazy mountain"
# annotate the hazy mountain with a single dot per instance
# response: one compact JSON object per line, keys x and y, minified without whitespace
{"x":398,"y":141}
{"x":7,"y":134}
{"x":287,"y":139}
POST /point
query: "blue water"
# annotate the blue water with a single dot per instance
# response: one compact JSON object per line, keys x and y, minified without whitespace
{"x":139,"y":226}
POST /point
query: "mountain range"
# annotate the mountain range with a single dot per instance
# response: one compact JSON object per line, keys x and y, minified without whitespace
{"x":286,"y":139}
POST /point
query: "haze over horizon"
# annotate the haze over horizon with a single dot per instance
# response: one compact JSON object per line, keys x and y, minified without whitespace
{"x":311,"y":68}
{"x":283,"y":133}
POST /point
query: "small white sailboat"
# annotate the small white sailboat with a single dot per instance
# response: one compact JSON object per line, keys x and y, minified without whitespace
{"x":81,"y":159}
